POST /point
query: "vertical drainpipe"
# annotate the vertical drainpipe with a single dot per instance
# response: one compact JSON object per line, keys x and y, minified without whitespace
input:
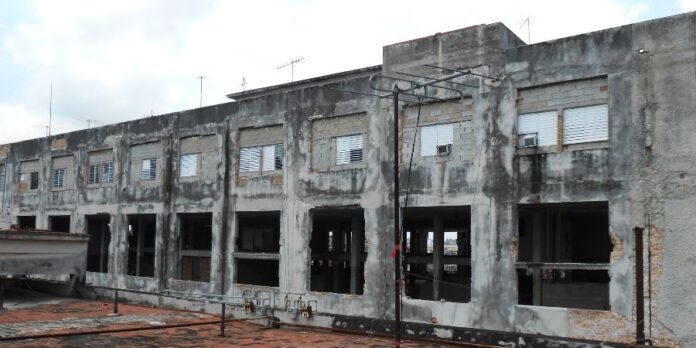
{"x":638,"y":253}
{"x":225,"y":206}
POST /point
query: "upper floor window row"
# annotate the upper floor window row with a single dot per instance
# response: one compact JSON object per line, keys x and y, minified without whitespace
{"x":565,"y":113}
{"x":580,"y":125}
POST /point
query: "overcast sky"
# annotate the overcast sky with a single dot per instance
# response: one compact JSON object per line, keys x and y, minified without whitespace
{"x":111,"y":61}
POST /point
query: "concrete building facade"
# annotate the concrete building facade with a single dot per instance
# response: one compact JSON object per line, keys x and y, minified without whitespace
{"x":521,"y":193}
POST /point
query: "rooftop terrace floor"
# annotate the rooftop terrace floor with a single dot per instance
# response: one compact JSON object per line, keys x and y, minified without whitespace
{"x":31,"y":313}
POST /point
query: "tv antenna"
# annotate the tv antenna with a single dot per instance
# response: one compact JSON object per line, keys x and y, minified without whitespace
{"x":528,"y":22}
{"x":50,"y":112}
{"x":244,"y":84}
{"x":201,"y":78}
{"x":90,"y":121}
{"x":291,"y":64}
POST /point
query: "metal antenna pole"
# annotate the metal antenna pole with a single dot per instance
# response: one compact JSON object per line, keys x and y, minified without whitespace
{"x":291,"y":64}
{"x":201,"y":78}
{"x":50,"y":110}
{"x":397,"y":230}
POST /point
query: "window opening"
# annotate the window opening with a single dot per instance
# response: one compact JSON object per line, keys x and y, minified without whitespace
{"x":149,"y":169}
{"x":98,"y":228}
{"x":563,"y":257}
{"x":195,"y":246}
{"x":338,"y":250}
{"x":349,"y":149}
{"x":142,"y":231}
{"x":438,"y":253}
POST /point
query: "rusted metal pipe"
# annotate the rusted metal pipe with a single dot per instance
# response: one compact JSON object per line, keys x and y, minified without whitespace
{"x":397,"y":230}
{"x":126,"y":329}
{"x":115,"y":301}
{"x":222,"y":321}
{"x":640,"y":319}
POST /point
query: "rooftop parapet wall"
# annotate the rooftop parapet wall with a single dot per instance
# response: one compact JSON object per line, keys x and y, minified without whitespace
{"x":468,"y":47}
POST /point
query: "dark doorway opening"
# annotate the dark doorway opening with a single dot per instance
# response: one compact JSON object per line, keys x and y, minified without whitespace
{"x":338,"y":250}
{"x":99,"y":232}
{"x":196,"y":244}
{"x":27,"y":222}
{"x":258,"y":243}
{"x":142,"y":230}
{"x":437,"y":249}
{"x":563,"y":257}
{"x":59,"y":223}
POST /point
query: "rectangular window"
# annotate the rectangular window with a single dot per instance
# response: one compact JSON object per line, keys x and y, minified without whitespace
{"x":149,"y":169}
{"x":195,"y":246}
{"x":93,"y":174}
{"x":259,"y":232}
{"x":107,"y":172}
{"x":349,"y":149}
{"x":563,"y":255}
{"x":58,"y":177}
{"x":34,"y":181}
{"x":273,"y":157}
{"x":337,"y":251}
{"x":249,"y":159}
{"x":188,"y":164}
{"x":586,"y":124}
{"x":98,"y":228}
{"x":542,"y":124}
{"x":434,"y":136}
{"x":142,"y":230}
{"x":437,"y":253}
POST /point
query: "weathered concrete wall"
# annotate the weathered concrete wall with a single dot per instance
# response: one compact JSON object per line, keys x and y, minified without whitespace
{"x":644,"y":171}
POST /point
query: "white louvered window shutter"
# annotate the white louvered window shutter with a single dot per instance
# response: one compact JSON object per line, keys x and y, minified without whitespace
{"x":149,"y":169}
{"x":93,"y":174}
{"x":544,"y":124}
{"x":188,"y":164}
{"x":269,"y":158}
{"x":349,"y":149}
{"x":58,"y":177}
{"x":107,"y":172}
{"x":434,"y":136}
{"x":586,"y":124}
{"x":249,"y":159}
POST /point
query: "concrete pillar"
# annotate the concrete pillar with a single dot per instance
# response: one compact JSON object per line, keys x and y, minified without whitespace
{"x":538,"y":225}
{"x":355,"y":252}
{"x":438,"y":248}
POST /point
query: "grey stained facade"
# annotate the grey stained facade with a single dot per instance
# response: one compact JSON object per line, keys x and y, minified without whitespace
{"x":288,"y":189}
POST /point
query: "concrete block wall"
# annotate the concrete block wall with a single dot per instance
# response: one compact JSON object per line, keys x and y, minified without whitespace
{"x":439,"y":113}
{"x":67,"y":163}
{"x":207,"y":149}
{"x":571,"y":94}
{"x":141,"y":152}
{"x":324,"y":133}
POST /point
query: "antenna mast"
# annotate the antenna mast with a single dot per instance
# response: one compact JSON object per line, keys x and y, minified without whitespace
{"x":201,"y":78}
{"x":291,"y":64}
{"x":528,"y":22}
{"x":50,"y":111}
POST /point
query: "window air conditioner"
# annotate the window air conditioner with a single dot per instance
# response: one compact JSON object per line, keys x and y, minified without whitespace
{"x":528,"y":140}
{"x":443,"y":150}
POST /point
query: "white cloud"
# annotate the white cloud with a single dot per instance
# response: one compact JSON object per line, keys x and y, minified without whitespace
{"x":114,"y":61}
{"x":687,"y":5}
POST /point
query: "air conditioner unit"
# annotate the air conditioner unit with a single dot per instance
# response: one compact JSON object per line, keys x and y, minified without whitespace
{"x":528,"y":140}
{"x":443,"y":150}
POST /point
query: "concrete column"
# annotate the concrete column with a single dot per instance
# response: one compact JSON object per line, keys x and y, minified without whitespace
{"x":355,"y":252}
{"x":438,"y":248}
{"x":538,"y":225}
